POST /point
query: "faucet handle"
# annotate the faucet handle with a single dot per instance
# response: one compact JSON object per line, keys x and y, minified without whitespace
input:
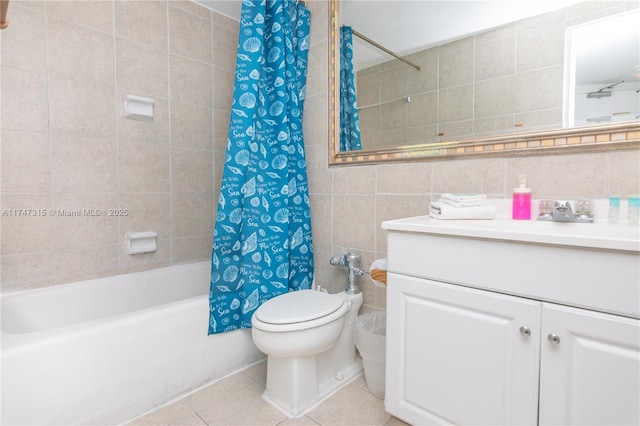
{"x":584,"y":207}
{"x":546,"y":207}
{"x":584,"y":211}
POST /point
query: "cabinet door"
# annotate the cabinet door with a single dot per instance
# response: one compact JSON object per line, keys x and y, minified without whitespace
{"x":590,"y":368}
{"x":457,"y":355}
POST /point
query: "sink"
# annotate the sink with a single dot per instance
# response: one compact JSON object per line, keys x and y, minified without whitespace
{"x":589,"y":235}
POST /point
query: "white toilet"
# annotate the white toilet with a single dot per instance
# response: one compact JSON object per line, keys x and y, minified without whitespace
{"x":308,"y":338}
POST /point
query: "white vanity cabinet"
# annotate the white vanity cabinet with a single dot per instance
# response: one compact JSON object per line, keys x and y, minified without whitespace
{"x":591,"y":375}
{"x":486,"y":330}
{"x":455,"y":355}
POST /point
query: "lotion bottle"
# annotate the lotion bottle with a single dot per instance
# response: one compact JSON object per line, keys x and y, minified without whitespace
{"x":614,"y":210}
{"x":521,"y":205}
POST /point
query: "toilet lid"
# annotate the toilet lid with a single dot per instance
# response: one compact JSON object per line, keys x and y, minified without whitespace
{"x":298,"y":306}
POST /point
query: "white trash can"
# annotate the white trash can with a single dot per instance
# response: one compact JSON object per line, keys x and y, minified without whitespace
{"x":370,"y":338}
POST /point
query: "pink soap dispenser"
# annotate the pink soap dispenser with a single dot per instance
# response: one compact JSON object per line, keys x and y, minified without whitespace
{"x":521,"y":207}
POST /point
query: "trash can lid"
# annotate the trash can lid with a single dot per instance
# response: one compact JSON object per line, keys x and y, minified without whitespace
{"x":298,"y":306}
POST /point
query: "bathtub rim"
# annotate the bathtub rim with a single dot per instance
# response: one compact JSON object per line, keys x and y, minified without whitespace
{"x":15,"y":338}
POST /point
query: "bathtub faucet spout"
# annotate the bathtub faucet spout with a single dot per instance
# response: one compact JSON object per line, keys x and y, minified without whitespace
{"x":351,"y":261}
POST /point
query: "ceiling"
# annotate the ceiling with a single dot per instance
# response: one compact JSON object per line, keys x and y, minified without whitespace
{"x":409,"y":26}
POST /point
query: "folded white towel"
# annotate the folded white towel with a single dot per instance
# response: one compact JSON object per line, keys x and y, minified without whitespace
{"x":444,"y":211}
{"x":463,"y":200}
{"x":462,"y":204}
{"x":463,"y":197}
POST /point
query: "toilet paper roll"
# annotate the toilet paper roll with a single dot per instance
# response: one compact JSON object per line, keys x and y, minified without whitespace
{"x":378,"y":272}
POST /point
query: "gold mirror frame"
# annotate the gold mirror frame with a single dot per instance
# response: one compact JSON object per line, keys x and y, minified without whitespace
{"x":578,"y":139}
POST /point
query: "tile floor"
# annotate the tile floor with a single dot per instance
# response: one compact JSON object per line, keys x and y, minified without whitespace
{"x":237,"y":400}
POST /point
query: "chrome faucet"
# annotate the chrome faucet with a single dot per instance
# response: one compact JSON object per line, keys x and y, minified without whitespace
{"x":351,"y":261}
{"x":562,"y":211}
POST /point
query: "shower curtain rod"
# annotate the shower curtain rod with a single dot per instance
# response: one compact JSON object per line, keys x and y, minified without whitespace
{"x":384,"y":49}
{"x":404,"y":98}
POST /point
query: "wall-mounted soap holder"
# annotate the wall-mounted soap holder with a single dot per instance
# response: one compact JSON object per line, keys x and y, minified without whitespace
{"x":141,"y":242}
{"x":138,"y":108}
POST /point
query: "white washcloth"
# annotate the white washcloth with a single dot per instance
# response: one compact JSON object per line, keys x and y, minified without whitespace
{"x":463,"y":200}
{"x":444,"y":211}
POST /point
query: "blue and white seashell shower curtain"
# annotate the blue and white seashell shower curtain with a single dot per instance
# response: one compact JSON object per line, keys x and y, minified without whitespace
{"x":349,"y":122}
{"x":262,"y":238}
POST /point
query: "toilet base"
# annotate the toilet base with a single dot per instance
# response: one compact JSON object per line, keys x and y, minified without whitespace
{"x":299,"y":393}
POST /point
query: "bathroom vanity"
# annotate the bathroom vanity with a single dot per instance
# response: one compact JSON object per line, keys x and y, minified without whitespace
{"x":512,"y":322}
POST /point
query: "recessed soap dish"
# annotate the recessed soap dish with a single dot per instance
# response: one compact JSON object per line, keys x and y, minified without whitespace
{"x":138,"y":108}
{"x":141,"y":242}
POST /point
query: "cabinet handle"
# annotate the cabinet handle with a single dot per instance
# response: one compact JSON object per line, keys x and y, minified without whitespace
{"x":554,"y":338}
{"x":525,"y":331}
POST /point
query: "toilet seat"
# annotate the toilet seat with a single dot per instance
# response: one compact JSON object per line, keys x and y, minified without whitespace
{"x":298,"y":310}
{"x":298,"y":306}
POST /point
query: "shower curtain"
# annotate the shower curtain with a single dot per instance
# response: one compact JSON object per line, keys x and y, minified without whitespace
{"x":349,"y":122}
{"x":262,"y":237}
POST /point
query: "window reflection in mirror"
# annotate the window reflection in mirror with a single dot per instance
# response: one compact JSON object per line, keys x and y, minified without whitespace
{"x":602,"y":70}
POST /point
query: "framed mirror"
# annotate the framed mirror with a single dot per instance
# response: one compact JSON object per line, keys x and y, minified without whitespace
{"x":498,"y":105}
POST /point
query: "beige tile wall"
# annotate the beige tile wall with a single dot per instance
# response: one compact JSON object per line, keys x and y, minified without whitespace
{"x":496,"y":82}
{"x":350,"y":202}
{"x":66,"y":66}
{"x":363,"y":196}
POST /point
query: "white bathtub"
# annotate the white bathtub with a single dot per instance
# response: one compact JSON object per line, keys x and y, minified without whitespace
{"x":103,"y":351}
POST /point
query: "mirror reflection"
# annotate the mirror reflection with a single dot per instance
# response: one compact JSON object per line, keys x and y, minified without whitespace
{"x":506,"y":74}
